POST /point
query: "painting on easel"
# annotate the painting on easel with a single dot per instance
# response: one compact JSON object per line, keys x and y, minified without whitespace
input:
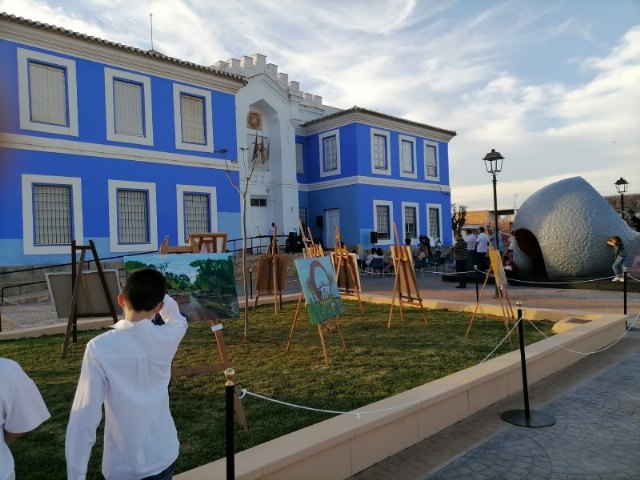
{"x":320,"y":288}
{"x":203,"y":283}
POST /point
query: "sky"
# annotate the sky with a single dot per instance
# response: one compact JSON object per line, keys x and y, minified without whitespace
{"x":553,"y":85}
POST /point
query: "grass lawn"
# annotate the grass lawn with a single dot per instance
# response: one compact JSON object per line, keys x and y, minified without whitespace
{"x":379,"y":363}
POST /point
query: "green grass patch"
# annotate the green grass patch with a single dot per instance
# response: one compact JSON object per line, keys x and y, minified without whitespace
{"x":379,"y":363}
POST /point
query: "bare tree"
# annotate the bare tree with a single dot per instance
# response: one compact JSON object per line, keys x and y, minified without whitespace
{"x":458,"y":217}
{"x":242,"y":187}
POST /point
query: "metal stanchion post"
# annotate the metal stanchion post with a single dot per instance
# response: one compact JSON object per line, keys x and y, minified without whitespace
{"x":526,"y":417}
{"x":624,"y":288}
{"x":229,"y":392}
{"x":475,"y":279}
{"x":251,"y":284}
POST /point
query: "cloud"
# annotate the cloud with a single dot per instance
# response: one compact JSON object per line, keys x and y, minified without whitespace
{"x":461,"y":65}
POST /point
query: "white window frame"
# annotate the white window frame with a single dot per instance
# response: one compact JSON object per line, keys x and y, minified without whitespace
{"x":416,"y":206}
{"x":387,"y":135}
{"x":386,"y":203}
{"x":412,"y":140}
{"x":213,"y":207}
{"x":428,"y":143}
{"x":24,"y":98}
{"x":338,"y":170}
{"x":299,"y":158}
{"x":438,"y":207}
{"x":114,"y":245}
{"x":29,"y":246}
{"x":179,"y":89}
{"x":110,"y":76}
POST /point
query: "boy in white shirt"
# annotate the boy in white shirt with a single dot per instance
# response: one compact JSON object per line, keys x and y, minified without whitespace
{"x":21,"y":410}
{"x":128,"y":370}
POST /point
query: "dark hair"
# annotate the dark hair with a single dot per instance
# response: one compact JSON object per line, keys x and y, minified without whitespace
{"x":144,"y":289}
{"x":617,"y":240}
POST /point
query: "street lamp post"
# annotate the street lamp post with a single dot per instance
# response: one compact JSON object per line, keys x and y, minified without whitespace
{"x":493,"y":162}
{"x":621,"y":187}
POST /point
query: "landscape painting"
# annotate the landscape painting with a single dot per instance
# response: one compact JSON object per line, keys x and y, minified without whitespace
{"x":203,"y":284}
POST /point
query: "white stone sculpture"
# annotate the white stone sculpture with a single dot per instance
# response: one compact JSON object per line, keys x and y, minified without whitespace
{"x":562,"y":229}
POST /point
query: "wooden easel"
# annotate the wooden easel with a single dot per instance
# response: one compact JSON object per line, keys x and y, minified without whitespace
{"x":166,"y":248}
{"x":312,"y":251}
{"x":272,"y":274}
{"x":341,"y":257}
{"x":225,"y":362}
{"x":405,"y":287}
{"x":77,"y":280}
{"x":500,"y":278}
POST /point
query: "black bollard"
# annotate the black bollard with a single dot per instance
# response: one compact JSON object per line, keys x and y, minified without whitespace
{"x":526,"y":417}
{"x":230,"y":452}
{"x":624,"y":289}
{"x":475,"y":277}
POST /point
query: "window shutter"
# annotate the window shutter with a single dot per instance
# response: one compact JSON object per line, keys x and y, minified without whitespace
{"x":48,"y":94}
{"x":192,"y":119}
{"x":128,"y":114}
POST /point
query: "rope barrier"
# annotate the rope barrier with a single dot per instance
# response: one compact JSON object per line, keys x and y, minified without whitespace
{"x":587,"y":353}
{"x":457,"y":381}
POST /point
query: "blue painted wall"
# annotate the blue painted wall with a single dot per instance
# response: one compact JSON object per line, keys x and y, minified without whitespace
{"x":95,"y":171}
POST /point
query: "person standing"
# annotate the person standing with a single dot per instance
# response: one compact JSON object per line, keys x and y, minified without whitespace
{"x":482,"y":248}
{"x":472,"y":241}
{"x":460,"y":257}
{"x":128,"y":369}
{"x":619,"y":256}
{"x":21,"y":410}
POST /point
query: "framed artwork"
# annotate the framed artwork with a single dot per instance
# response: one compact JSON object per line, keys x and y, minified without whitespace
{"x":203,"y":284}
{"x":320,"y":288}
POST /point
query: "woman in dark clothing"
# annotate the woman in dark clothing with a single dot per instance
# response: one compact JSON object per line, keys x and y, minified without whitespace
{"x":460,"y":257}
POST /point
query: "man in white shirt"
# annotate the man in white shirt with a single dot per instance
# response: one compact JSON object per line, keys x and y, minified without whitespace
{"x":21,"y":410}
{"x":128,"y":370}
{"x":472,"y":241}
{"x":481,"y":250}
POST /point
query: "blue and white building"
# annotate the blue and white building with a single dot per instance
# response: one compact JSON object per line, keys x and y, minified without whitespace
{"x":122,"y":146}
{"x":358,"y":169}
{"x":110,"y":143}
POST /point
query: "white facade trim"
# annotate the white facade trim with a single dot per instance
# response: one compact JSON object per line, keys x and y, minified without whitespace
{"x":179,"y":89}
{"x":71,"y":147}
{"x":109,"y":75}
{"x":415,"y":205}
{"x":321,"y":137}
{"x":427,"y":143}
{"x":383,"y":133}
{"x":377,"y":182}
{"x":386,"y":203}
{"x":375,"y":121}
{"x":27,"y":213}
{"x":412,"y":140}
{"x":24,"y":98}
{"x":87,"y":50}
{"x":213,"y":207}
{"x":114,"y":186}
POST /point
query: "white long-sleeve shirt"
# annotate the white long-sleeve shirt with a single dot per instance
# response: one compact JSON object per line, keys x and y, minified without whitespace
{"x":128,"y":370}
{"x":21,"y":409}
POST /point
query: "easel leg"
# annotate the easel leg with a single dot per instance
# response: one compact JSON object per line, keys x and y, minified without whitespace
{"x":344,"y":345}
{"x":293,"y":324}
{"x":324,"y":347}
{"x":477,"y":305}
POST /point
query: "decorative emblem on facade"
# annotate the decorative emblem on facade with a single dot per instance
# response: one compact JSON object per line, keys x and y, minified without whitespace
{"x":254,"y":120}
